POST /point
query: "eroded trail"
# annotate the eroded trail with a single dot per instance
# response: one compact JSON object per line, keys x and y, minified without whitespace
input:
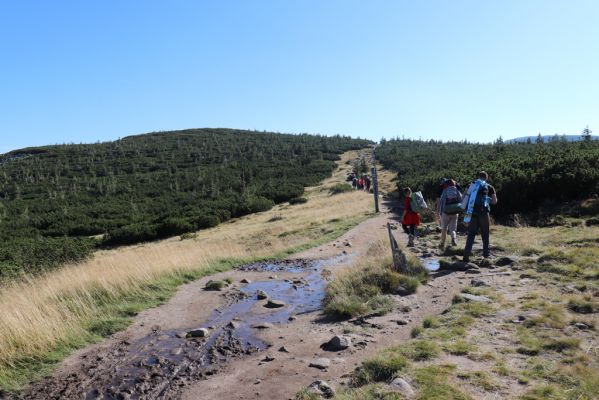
{"x":248,"y":347}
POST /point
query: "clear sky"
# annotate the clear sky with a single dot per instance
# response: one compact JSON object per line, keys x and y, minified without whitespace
{"x":86,"y":71}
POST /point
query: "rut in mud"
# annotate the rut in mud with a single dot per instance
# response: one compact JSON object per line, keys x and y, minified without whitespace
{"x":162,"y":363}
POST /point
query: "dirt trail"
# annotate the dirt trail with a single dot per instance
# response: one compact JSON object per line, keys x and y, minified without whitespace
{"x":152,"y":359}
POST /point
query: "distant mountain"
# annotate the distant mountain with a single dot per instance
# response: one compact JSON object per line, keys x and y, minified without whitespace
{"x":548,"y":138}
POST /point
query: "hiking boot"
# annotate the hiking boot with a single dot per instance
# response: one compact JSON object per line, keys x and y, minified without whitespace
{"x":411,"y":241}
{"x":453,"y":242}
{"x":466,"y":259}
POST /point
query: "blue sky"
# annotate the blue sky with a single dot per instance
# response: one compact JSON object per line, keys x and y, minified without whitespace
{"x":87,"y":71}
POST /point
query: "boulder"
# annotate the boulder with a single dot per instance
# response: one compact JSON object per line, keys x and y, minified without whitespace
{"x":401,"y":386}
{"x":580,"y":325}
{"x":202,"y":332}
{"x":478,"y":283}
{"x":322,"y":389}
{"x":320,"y":363}
{"x":337,"y":343}
{"x":275,"y":304}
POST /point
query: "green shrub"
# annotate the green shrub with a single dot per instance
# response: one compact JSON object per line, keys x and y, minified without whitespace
{"x":340,"y":188}
{"x":382,"y":367}
{"x":298,"y":200}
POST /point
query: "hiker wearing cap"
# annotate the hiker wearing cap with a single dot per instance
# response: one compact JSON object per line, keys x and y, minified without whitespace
{"x":410,"y":219}
{"x":477,"y":204}
{"x":448,"y":209}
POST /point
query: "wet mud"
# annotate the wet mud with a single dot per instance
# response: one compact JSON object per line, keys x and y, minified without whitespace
{"x":159,"y":365}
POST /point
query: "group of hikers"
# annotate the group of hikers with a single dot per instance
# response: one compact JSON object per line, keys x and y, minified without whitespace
{"x":358,"y":182}
{"x":475,"y":203}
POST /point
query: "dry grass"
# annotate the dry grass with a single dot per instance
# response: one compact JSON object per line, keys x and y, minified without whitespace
{"x":42,"y":313}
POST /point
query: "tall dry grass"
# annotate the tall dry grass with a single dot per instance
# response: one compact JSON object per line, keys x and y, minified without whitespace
{"x":42,"y":313}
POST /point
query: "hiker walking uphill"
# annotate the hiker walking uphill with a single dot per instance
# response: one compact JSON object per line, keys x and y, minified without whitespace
{"x":477,"y":205}
{"x":448,"y":209}
{"x":411,"y":217}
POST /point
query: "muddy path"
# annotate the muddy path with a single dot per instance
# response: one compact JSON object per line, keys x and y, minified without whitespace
{"x":243,"y":347}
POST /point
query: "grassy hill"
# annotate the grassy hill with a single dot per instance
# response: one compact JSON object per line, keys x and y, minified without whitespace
{"x":54,"y":199}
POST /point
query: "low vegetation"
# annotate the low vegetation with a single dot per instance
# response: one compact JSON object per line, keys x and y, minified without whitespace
{"x":527,"y":176}
{"x":535,"y":339}
{"x":365,"y":287}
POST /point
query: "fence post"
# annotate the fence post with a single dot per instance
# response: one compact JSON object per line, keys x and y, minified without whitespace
{"x":375,"y":189}
{"x":400,"y":263}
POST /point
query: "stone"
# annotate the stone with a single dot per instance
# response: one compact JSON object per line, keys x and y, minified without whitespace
{"x":181,"y":335}
{"x":292,"y":318}
{"x":478,"y":283}
{"x":202,"y":332}
{"x":321,"y":388}
{"x":233,"y":325}
{"x":402,"y":291}
{"x":263,"y":325}
{"x":503,"y":261}
{"x":283,"y":349}
{"x":245,"y":280}
{"x":400,"y":321}
{"x":475,"y":298}
{"x":176,"y":351}
{"x":580,"y":325}
{"x":268,"y":358}
{"x":275,"y":304}
{"x":401,"y":386}
{"x":348,"y":244}
{"x":320,"y":363}
{"x":459,"y":266}
{"x":261,"y":294}
{"x":337,"y":343}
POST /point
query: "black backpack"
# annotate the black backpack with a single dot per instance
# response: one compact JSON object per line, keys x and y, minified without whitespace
{"x":481,"y":203}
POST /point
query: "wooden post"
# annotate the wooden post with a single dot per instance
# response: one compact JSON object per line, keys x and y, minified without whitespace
{"x":375,"y":189}
{"x":400,"y":263}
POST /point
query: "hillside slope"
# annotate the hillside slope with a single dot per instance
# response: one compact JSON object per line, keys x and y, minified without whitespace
{"x":145,"y":187}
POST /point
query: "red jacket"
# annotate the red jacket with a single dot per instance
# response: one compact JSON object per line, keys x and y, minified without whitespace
{"x":411,"y":217}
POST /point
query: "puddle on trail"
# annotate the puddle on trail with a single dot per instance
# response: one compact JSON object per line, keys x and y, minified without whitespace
{"x":157,"y":365}
{"x":430,"y":263}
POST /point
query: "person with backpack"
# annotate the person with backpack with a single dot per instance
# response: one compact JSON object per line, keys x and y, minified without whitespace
{"x":448,"y":209}
{"x":477,"y":205}
{"x":411,"y":218}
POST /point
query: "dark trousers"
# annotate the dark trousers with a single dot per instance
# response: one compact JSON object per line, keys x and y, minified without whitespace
{"x":409,"y":229}
{"x":482,"y":222}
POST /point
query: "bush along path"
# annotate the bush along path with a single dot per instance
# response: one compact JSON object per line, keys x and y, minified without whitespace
{"x":523,"y":328}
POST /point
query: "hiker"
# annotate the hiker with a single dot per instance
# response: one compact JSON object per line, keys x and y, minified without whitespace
{"x":448,"y":209}
{"x":410,"y":219}
{"x":477,"y":204}
{"x":367,"y":183}
{"x":360,"y":184}
{"x":354,"y":182}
